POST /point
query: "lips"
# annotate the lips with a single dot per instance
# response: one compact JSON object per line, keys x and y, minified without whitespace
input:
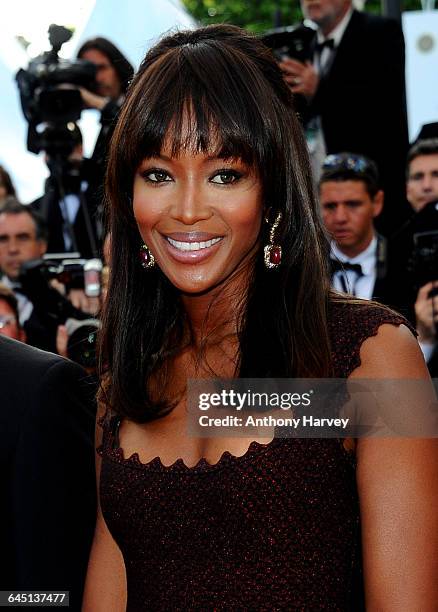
{"x":341,"y":234}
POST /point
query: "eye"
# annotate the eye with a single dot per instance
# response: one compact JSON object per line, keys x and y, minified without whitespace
{"x":226,"y":177}
{"x":155,"y":175}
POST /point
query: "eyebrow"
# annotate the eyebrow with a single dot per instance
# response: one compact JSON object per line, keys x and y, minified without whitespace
{"x":19,"y":235}
{"x":207,"y":159}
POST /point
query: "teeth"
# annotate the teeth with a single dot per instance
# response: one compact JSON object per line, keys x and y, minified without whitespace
{"x":193,"y":246}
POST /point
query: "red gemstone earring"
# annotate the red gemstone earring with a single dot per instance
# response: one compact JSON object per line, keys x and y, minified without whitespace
{"x":272,"y":251}
{"x":147,"y":260}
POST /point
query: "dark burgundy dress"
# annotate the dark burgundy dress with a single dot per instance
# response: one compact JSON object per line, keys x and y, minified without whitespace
{"x":275,"y":529}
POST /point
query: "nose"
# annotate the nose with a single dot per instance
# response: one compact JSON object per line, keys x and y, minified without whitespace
{"x":190,"y":205}
{"x":426,"y":183}
{"x":12,"y":246}
{"x":340,"y":214}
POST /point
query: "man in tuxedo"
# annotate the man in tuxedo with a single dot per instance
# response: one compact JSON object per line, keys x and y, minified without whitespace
{"x":47,"y":475}
{"x":354,"y":86}
{"x":68,"y":210}
{"x":351,"y":200}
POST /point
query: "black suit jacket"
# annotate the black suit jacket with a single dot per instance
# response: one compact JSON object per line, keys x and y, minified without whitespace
{"x":47,"y":476}
{"x":362,"y":104}
{"x":387,"y":290}
{"x":48,"y":207}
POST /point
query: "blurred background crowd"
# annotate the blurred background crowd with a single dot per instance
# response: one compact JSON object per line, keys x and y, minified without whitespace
{"x":376,"y":176}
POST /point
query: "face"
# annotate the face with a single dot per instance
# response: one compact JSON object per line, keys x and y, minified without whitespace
{"x":422,"y":185}
{"x":200,"y":216}
{"x":348,"y":212}
{"x":108,"y":82}
{"x":18,"y":242}
{"x":8,"y":322}
{"x":326,"y":13}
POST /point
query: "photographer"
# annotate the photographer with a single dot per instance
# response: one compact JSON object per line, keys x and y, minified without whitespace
{"x":70,"y":216}
{"x":23,"y":239}
{"x":113,"y":74}
{"x":415,"y":246}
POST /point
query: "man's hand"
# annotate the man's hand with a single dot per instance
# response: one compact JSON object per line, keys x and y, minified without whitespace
{"x":92,"y":100}
{"x":426,"y":312}
{"x":77,"y":297}
{"x":301,"y":78}
{"x":61,"y":340}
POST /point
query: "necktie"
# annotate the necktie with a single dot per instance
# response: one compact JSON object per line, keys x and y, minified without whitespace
{"x":329,"y":43}
{"x":323,"y":60}
{"x":340,"y":266}
{"x":343,"y":266}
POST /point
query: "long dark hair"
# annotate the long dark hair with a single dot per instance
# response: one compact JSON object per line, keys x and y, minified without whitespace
{"x":121,"y":65}
{"x":6,"y":180}
{"x":237,"y":96}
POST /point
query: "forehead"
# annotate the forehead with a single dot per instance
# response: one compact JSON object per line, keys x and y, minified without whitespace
{"x":5,"y":308}
{"x":323,"y":4}
{"x":424,"y":163}
{"x":96,"y":56}
{"x":17,"y":223}
{"x":190,"y":137}
{"x":341,"y":191}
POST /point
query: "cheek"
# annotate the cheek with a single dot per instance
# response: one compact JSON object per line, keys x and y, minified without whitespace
{"x":146,"y":207}
{"x":246,"y":214}
{"x":327,"y":219}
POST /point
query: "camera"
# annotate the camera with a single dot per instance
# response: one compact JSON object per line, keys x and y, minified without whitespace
{"x":50,"y":99}
{"x":424,"y":263}
{"x":35,"y":277}
{"x":290,"y":42}
{"x":67,"y":268}
{"x":82,"y":341}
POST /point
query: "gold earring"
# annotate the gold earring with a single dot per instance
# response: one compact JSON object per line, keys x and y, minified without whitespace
{"x":272,"y":251}
{"x":147,"y":260}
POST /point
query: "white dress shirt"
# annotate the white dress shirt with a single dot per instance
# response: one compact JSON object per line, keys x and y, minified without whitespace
{"x":361,"y":287}
{"x":336,"y":35}
{"x":314,"y":134}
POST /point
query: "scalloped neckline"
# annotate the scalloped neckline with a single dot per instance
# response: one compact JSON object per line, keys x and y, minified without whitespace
{"x":255,"y":448}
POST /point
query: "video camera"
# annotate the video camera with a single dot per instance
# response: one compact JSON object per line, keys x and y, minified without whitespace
{"x":50,"y":107}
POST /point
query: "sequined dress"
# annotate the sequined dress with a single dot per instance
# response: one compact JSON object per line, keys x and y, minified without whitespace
{"x":275,"y":529}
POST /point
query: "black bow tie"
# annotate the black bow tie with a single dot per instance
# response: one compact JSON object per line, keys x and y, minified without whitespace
{"x":326,"y":44}
{"x":341,"y":266}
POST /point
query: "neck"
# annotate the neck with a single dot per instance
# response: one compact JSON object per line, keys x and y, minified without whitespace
{"x":328,"y":27}
{"x":214,"y":315}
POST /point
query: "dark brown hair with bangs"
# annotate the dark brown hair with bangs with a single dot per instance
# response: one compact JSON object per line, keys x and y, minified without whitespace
{"x":230,"y":86}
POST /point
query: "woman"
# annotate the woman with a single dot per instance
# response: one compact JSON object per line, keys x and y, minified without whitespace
{"x":206,"y":148}
{"x":6,"y":186}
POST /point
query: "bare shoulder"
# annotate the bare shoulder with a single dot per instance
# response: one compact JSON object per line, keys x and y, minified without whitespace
{"x":397,"y":481}
{"x":392,"y":353}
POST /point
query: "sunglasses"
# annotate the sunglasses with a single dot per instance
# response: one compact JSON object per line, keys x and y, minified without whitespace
{"x":6,"y":320}
{"x":355,"y":163}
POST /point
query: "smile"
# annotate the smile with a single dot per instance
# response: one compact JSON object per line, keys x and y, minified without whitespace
{"x":193,"y":246}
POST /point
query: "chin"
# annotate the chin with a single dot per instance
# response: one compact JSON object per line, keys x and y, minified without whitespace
{"x":193,"y":287}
